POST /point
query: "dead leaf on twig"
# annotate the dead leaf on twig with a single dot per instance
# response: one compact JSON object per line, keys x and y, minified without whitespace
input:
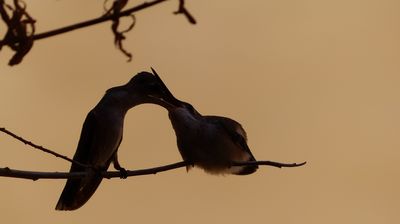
{"x":20,"y":29}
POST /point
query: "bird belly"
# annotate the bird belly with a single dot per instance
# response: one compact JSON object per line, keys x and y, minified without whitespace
{"x":212,"y":153}
{"x":205,"y":143}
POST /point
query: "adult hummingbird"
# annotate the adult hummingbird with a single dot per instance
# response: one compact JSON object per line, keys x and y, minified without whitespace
{"x":212,"y":143}
{"x":102,"y":134}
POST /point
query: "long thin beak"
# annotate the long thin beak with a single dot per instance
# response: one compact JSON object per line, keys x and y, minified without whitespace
{"x":169,"y":97}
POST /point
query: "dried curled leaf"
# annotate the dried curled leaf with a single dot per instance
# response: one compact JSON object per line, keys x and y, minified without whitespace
{"x":119,"y":36}
{"x":20,"y":29}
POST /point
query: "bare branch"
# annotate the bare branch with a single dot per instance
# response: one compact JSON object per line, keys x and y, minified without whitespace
{"x":21,"y":26}
{"x":33,"y":175}
{"x":41,"y":148}
{"x":95,"y":21}
{"x":182,"y":10}
{"x":109,"y":16}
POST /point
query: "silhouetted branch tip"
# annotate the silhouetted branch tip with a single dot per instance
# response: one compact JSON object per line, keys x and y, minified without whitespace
{"x":270,"y":163}
{"x":182,"y":10}
{"x":41,"y":148}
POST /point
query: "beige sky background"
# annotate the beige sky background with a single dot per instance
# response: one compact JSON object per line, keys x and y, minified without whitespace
{"x":309,"y":80}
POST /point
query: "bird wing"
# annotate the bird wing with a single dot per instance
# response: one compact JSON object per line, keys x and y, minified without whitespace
{"x":77,"y":191}
{"x":83,"y":151}
{"x":234,"y":130}
{"x":239,"y":137}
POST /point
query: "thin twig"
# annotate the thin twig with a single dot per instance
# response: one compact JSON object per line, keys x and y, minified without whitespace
{"x":57,"y":175}
{"x":91,"y":22}
{"x":269,"y":163}
{"x":182,"y":10}
{"x":41,"y":148}
{"x":20,"y":40}
{"x":111,"y":16}
{"x":34,"y":175}
{"x":98,"y":20}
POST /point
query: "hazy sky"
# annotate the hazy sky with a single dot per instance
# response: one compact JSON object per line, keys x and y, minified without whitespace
{"x":309,"y":80}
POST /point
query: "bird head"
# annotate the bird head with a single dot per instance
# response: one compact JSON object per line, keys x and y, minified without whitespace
{"x":150,"y":89}
{"x":170,"y":98}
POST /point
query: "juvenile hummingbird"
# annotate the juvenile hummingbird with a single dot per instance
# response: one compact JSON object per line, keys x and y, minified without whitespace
{"x":212,"y":143}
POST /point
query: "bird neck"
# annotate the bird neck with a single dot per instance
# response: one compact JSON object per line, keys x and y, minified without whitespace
{"x":183,"y":120}
{"x":118,"y":102}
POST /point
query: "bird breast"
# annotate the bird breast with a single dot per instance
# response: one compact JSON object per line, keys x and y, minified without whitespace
{"x":182,"y":120}
{"x":108,"y":136}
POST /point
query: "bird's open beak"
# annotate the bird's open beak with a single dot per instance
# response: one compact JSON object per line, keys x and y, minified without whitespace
{"x":167,"y":97}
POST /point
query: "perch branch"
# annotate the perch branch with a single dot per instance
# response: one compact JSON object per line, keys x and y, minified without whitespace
{"x":33,"y":175}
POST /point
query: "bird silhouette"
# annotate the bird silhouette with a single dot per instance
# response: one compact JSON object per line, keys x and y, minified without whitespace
{"x":213,"y":143}
{"x":102,"y":134}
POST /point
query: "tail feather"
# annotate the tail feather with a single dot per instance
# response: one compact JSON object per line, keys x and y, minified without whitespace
{"x":77,"y":192}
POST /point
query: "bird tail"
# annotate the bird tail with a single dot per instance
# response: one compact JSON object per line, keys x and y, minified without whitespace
{"x":78,"y":191}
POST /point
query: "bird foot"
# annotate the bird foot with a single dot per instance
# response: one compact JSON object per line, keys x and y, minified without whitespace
{"x":123,"y":173}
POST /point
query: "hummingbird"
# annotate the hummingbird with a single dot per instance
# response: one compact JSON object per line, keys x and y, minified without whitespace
{"x":212,"y":143}
{"x":102,"y":133}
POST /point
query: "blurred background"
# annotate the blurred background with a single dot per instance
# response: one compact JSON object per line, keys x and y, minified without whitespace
{"x":312,"y":80}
